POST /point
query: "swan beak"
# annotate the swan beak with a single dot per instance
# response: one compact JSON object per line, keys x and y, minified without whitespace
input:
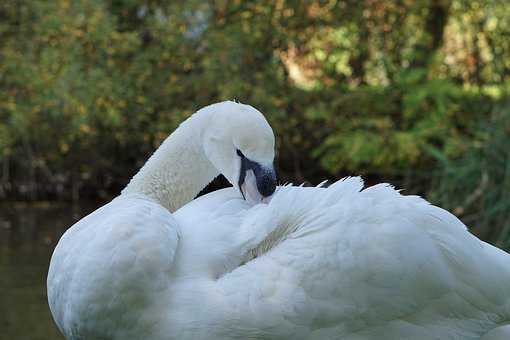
{"x":257,"y":182}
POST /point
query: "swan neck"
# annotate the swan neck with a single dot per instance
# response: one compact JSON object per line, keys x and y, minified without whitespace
{"x":177,"y":170}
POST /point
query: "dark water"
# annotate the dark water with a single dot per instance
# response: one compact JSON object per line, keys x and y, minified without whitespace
{"x":28,"y":234}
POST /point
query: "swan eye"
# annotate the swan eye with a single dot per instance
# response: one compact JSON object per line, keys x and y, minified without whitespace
{"x":240,"y":154}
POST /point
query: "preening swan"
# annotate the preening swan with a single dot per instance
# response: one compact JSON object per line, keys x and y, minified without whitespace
{"x":341,"y":262}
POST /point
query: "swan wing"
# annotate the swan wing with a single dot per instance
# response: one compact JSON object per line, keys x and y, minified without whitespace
{"x":108,"y":268}
{"x":367,"y":264}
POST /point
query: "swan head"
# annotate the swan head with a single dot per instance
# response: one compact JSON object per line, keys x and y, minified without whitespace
{"x":240,"y":144}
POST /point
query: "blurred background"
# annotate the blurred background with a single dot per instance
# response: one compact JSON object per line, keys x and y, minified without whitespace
{"x":411,"y":92}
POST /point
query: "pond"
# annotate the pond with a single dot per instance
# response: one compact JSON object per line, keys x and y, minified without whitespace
{"x":28,"y":234}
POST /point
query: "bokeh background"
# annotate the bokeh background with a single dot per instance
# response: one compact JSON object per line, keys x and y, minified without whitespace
{"x":411,"y":92}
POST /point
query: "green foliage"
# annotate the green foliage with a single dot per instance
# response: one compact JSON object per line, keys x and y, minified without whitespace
{"x":388,"y":130}
{"x":381,"y":88}
{"x":476,"y":186}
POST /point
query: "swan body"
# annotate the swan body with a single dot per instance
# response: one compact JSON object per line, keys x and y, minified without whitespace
{"x":313,"y":263}
{"x":347,"y":263}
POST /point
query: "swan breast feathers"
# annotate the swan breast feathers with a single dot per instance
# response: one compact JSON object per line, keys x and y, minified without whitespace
{"x":111,"y":265}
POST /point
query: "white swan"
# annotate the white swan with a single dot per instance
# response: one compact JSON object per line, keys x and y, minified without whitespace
{"x":313,"y":263}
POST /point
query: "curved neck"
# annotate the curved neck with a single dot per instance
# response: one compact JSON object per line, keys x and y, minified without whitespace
{"x":178,"y":169}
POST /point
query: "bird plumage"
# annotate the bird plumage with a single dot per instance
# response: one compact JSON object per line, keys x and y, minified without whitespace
{"x":332,"y":263}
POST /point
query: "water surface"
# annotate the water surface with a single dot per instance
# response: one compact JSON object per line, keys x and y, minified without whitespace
{"x":28,"y":234}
